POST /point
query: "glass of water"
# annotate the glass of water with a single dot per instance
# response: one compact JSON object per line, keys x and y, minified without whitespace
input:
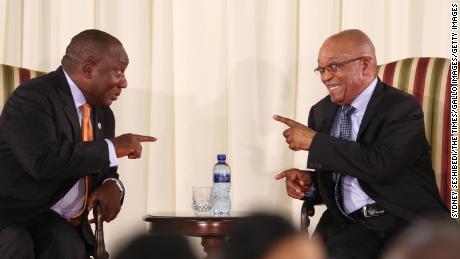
{"x":202,"y":200}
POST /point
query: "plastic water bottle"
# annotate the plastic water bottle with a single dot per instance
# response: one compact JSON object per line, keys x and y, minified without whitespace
{"x":221,"y":188}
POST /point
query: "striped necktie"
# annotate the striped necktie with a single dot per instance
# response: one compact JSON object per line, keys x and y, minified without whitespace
{"x":345,"y":134}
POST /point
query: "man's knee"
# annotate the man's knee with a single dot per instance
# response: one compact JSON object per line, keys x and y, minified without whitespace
{"x":16,"y":242}
{"x":62,"y":242}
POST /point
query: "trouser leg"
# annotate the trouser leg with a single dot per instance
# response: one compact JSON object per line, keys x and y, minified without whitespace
{"x":54,"y":238}
{"x":16,"y":243}
{"x":354,"y":242}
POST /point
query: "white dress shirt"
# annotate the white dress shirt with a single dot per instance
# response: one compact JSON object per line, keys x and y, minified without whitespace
{"x":72,"y":203}
{"x":353,"y":195}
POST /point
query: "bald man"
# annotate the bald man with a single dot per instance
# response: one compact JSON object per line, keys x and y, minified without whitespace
{"x":59,"y":153}
{"x":367,"y":146}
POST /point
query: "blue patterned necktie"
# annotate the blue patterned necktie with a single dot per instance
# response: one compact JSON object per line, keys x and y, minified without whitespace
{"x":345,"y":134}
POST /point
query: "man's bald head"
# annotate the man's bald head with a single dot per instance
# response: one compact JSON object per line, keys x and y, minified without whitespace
{"x":352,"y":41}
{"x":89,"y":44}
{"x":347,"y":64}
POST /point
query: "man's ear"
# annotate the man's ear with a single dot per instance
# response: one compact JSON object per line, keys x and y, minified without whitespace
{"x":87,"y":68}
{"x":367,"y":66}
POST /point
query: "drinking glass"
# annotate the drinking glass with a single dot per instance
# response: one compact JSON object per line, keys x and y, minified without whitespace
{"x":202,"y":200}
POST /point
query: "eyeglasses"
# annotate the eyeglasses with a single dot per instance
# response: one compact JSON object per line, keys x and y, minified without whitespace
{"x":334,"y":67}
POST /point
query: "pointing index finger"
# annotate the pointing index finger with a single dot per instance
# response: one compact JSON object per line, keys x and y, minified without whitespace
{"x":141,"y":138}
{"x":286,"y":173}
{"x":280,"y":175}
{"x":287,"y":121}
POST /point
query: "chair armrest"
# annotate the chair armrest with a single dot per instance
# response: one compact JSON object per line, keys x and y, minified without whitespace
{"x":308,"y":210}
{"x":99,"y":245}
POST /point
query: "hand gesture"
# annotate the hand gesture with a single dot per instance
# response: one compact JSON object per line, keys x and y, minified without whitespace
{"x":298,"y":136}
{"x":130,"y":145}
{"x":109,"y":196}
{"x":297,"y":182}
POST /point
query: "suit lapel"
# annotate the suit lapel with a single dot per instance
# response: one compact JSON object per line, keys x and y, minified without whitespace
{"x":329,"y":113}
{"x":325,"y":182}
{"x":371,"y":108}
{"x":70,"y":110}
{"x":97,"y":124}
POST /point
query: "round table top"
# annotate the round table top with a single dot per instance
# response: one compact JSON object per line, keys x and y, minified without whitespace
{"x":187,"y":223}
{"x":193,"y":215}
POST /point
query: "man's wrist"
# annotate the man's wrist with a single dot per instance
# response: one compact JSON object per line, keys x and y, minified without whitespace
{"x":119,"y":184}
{"x":310,"y":140}
{"x":112,"y":153}
{"x":310,"y":192}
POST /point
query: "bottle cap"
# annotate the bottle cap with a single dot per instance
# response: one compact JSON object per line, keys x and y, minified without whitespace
{"x":221,"y":157}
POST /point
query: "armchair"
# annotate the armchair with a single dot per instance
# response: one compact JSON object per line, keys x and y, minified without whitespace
{"x":428,"y":79}
{"x":10,"y":77}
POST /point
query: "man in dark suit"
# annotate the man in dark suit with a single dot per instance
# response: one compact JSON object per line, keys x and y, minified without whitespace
{"x":367,"y":143}
{"x":58,"y":152}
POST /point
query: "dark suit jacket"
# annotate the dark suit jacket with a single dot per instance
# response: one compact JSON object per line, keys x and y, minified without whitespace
{"x":41,"y":150}
{"x":390,"y":158}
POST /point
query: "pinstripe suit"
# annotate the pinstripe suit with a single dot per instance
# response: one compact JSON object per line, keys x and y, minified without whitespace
{"x":41,"y":150}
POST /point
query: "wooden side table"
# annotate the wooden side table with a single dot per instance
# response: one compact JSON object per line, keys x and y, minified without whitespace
{"x":212,"y":229}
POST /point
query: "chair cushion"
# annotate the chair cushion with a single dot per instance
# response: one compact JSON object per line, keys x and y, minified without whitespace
{"x":428,"y":79}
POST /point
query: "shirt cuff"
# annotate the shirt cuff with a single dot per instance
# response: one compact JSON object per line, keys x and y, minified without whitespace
{"x":310,"y":192}
{"x":112,"y":155}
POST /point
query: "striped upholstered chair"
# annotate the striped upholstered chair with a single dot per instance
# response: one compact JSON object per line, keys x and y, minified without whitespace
{"x":11,"y":77}
{"x":429,"y":80}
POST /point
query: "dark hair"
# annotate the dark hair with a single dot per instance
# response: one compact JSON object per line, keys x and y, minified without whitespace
{"x":255,"y":235}
{"x":157,"y":247}
{"x":92,"y":43}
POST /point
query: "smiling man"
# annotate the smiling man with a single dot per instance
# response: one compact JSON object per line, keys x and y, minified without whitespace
{"x":59,"y":153}
{"x":367,"y":144}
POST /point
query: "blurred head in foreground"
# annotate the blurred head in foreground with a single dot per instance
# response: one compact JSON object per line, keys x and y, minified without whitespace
{"x":157,"y":247}
{"x":297,"y":247}
{"x":263,"y":236}
{"x":427,"y":240}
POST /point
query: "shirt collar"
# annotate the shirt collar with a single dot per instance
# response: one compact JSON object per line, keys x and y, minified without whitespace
{"x":361,"y":101}
{"x":78,"y":97}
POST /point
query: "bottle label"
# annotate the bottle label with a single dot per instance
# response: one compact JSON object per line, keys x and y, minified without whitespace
{"x":220,"y":178}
